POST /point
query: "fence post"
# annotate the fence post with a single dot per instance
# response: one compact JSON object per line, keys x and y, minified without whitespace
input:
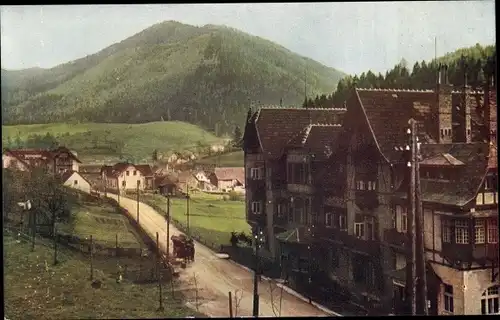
{"x":116,"y":245}
{"x":230,"y":305}
{"x":158,"y":258}
{"x":91,"y":259}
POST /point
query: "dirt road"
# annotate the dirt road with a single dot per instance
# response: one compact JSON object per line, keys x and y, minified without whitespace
{"x":216,"y":277}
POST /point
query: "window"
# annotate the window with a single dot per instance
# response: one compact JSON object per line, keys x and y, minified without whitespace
{"x":492,"y":232}
{"x":124,"y":183}
{"x":128,"y":173}
{"x":256,"y":207}
{"x":359,"y":230}
{"x":490,"y":301}
{"x":448,"y":298}
{"x":279,"y":210}
{"x":461,"y":232}
{"x":75,"y":182}
{"x":135,"y":172}
{"x":401,"y":218}
{"x":257,"y":173}
{"x":329,"y":220}
{"x":360,"y":185}
{"x":468,"y":132}
{"x":479,"y":231}
{"x":342,"y":222}
{"x":442,"y":133}
{"x":138,"y":182}
{"x":371,"y":185}
{"x":446,"y":232}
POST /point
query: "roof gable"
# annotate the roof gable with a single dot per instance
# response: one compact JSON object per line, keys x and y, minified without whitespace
{"x":275,"y":126}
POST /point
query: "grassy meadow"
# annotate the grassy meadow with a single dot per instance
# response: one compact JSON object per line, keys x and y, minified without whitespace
{"x":210,"y":216}
{"x":103,"y":222}
{"x":232,"y":159}
{"x":110,"y":141}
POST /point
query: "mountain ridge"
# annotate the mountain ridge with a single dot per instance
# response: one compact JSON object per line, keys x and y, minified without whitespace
{"x":206,"y":75}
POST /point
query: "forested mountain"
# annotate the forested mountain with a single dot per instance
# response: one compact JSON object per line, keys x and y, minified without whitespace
{"x":422,"y":75}
{"x":206,"y":75}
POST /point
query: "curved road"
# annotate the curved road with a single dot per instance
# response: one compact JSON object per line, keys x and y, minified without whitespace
{"x":216,"y":277}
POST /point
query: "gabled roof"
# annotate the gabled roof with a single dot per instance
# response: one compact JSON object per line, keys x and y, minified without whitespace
{"x":275,"y":126}
{"x":442,"y":159}
{"x":388,"y":112}
{"x":67,"y":174}
{"x":462,"y":190}
{"x":168,"y":179}
{"x":230,"y":173}
{"x":118,"y":168}
{"x":56,"y":152}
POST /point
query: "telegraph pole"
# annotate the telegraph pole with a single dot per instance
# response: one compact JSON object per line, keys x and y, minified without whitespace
{"x":168,"y":228}
{"x":412,"y":214}
{"x":187,"y":206}
{"x":138,"y":182}
{"x":422,"y":274}
{"x":257,"y":240}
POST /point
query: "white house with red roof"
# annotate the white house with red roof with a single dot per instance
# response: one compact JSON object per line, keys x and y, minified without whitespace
{"x":127,"y":176}
{"x":57,"y":161}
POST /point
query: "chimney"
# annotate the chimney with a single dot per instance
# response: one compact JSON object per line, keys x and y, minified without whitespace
{"x":443,"y":109}
{"x":465,"y":132}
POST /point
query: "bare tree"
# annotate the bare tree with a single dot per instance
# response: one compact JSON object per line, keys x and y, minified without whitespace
{"x":195,"y":282}
{"x":276,"y":295}
{"x":238,"y":295}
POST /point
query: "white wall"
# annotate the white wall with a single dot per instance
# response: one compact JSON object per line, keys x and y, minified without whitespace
{"x":131,"y":179}
{"x":81,"y":183}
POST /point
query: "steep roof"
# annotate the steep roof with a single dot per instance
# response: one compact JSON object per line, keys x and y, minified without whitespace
{"x":275,"y":126}
{"x":67,"y":174}
{"x":56,"y":152}
{"x":388,"y":112}
{"x":442,"y":159}
{"x":464,"y":188}
{"x":230,"y":173}
{"x":118,"y":168}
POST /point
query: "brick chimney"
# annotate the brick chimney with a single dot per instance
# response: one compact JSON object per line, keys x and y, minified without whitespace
{"x":443,"y":110}
{"x":464,"y":117}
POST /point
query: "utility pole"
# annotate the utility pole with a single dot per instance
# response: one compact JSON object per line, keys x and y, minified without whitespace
{"x":54,"y":231}
{"x":33,"y":229}
{"x":168,"y":228}
{"x":411,"y":232}
{"x":422,"y":274}
{"x":187,"y":206}
{"x":138,"y":182}
{"x":118,"y":194}
{"x":158,"y":270}
{"x":256,"y":272}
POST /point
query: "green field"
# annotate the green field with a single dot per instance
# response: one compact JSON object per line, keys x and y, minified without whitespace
{"x":211,"y":217}
{"x":100,"y":141}
{"x":232,"y":159}
{"x":103,"y":223}
{"x":64,"y":291}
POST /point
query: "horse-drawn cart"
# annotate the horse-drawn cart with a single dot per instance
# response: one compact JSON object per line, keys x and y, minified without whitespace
{"x":183,"y":248}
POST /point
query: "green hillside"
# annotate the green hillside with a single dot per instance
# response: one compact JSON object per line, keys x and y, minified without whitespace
{"x":206,"y":75}
{"x":100,"y":141}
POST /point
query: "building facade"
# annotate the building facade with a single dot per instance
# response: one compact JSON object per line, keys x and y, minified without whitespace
{"x":329,"y":189}
{"x":127,"y":177}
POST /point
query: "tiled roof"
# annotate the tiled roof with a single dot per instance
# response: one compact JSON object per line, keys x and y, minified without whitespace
{"x":166,"y":180}
{"x":90,"y":168}
{"x":275,"y":126}
{"x":230,"y":173}
{"x":118,"y":168}
{"x":463,"y":189}
{"x":388,"y":112}
{"x":59,"y":150}
{"x":442,"y":159}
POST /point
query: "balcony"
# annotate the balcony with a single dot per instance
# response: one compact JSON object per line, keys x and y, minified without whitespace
{"x":370,"y":247}
{"x":395,"y":238}
{"x":467,"y":253}
{"x":300,"y":188}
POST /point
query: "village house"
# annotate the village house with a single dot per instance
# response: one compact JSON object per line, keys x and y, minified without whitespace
{"x":203,"y":181}
{"x":56,"y":161}
{"x":166,"y":184}
{"x":226,"y":179}
{"x":76,"y":180}
{"x":127,"y":177}
{"x":328,"y":188}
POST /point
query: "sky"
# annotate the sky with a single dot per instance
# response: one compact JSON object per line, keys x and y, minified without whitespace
{"x":352,"y":37}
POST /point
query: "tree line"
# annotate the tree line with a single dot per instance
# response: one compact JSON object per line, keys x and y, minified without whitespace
{"x":466,"y":64}
{"x":33,"y":141}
